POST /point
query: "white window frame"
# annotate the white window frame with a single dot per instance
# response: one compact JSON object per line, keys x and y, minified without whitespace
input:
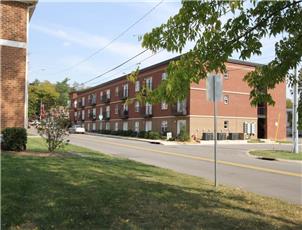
{"x":125,"y":126}
{"x":93,"y":126}
{"x":83,"y":114}
{"x":116,"y":109}
{"x":149,"y":83}
{"x":75,"y":103}
{"x":164,"y":125}
{"x":148,"y":108}
{"x":137,"y":86}
{"x":83,"y":101}
{"x":164,"y":105}
{"x":182,"y":105}
{"x":107,"y":125}
{"x":136,"y":126}
{"x":137,"y":106}
{"x":108,"y":111}
{"x":108,"y":93}
{"x":116,"y":126}
{"x":94,"y":112}
{"x":148,"y":126}
{"x":125,"y":90}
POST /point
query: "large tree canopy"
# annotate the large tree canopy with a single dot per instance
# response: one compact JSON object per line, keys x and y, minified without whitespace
{"x":215,"y":39}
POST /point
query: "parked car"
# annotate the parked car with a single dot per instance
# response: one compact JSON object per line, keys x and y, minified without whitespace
{"x":76,"y":129}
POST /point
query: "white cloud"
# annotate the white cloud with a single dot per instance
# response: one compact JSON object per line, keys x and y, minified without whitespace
{"x":91,"y":41}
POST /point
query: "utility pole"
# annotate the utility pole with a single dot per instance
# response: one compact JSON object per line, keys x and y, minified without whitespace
{"x":215,"y":131}
{"x":295,"y":132}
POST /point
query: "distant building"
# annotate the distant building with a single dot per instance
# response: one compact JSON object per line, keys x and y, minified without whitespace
{"x":236,"y":117}
{"x":14,"y":18}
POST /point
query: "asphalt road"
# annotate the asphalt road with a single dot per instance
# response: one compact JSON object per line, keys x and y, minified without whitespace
{"x":277,"y":179}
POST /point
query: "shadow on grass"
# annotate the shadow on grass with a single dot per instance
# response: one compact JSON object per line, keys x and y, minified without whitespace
{"x":94,"y":193}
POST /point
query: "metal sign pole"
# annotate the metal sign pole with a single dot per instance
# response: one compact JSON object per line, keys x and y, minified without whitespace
{"x":215,"y":131}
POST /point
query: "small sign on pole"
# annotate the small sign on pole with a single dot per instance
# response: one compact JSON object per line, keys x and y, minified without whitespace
{"x":214,"y":94}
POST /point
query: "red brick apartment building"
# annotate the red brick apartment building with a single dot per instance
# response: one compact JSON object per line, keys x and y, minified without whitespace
{"x":14,"y":18}
{"x":236,"y":115}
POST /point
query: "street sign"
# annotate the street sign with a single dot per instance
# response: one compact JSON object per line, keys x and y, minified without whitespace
{"x":214,"y":89}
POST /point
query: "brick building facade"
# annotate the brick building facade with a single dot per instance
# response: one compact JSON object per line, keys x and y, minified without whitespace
{"x":14,"y":18}
{"x":235,"y":114}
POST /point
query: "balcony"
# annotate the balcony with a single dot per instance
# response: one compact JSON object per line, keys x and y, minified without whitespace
{"x":80,"y":105}
{"x":261,"y":111}
{"x":182,"y":111}
{"x":123,"y":95}
{"x":105,"y":99}
{"x":92,"y":102}
{"x":106,"y":116}
{"x":147,"y":113}
{"x":92,"y":116}
{"x":124,"y":114}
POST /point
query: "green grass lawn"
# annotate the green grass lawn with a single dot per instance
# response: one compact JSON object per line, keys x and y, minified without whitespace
{"x":97,"y":191}
{"x":277,"y":154}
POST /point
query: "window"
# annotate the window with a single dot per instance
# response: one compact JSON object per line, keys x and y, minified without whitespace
{"x":226,"y":75}
{"x":88,"y":113}
{"x":116,"y":109}
{"x":116,"y":91}
{"x":125,"y":125}
{"x":101,"y":94}
{"x":148,"y":108}
{"x":93,"y":126}
{"x":75,"y":103}
{"x":136,"y":126}
{"x":149,"y":83}
{"x":137,"y":86}
{"x":182,"y":106}
{"x":148,"y":126}
{"x":108,"y":93}
{"x":116,"y":126}
{"x":83,"y":114}
{"x":108,"y":111}
{"x":164,"y":105}
{"x":136,"y":106}
{"x":107,"y":126}
{"x":226,"y":99}
{"x":101,"y":111}
{"x":125,"y":90}
{"x":88,"y":126}
{"x":83,"y":101}
{"x":226,"y":124}
{"x":94,"y":113}
{"x":164,"y":76}
{"x":164,"y":126}
{"x":125,"y":107}
{"x":101,"y":125}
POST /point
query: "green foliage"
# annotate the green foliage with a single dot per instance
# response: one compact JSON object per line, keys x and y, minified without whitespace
{"x":289,"y":104}
{"x":54,"y":129}
{"x":153,"y":135}
{"x":14,"y":139}
{"x":216,"y":39}
{"x":63,"y":89}
{"x":183,"y":135}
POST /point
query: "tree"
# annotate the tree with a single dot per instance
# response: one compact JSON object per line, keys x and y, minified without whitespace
{"x":203,"y":23}
{"x":54,"y":128}
{"x":38,"y":92}
{"x":63,"y":89}
{"x":289,"y":103}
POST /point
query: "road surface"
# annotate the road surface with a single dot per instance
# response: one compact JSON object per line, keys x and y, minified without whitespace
{"x":235,"y":168}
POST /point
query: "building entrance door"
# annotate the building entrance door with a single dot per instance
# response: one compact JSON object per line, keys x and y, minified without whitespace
{"x":261,"y":129}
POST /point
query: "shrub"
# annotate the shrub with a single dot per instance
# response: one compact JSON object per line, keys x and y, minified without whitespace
{"x":183,"y":135}
{"x":154,"y":135}
{"x":54,"y":128}
{"x":14,"y":139}
{"x":142,"y":134}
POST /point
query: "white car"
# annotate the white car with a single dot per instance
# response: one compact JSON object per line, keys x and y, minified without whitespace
{"x":76,"y":129}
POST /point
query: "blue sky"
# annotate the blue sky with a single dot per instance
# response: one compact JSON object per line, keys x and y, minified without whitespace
{"x":64,"y":33}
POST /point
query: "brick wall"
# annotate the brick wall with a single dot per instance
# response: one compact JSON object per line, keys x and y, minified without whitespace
{"x":13,"y":17}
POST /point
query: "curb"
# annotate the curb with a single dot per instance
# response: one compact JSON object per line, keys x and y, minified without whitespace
{"x":276,"y":159}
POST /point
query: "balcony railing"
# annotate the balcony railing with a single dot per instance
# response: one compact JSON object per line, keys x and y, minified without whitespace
{"x":124,"y":114}
{"x":106,"y":116}
{"x":179,"y":111}
{"x":105,"y":99}
{"x":123,"y":95}
{"x":147,"y":113}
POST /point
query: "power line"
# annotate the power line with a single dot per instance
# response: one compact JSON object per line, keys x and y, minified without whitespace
{"x":122,"y":70}
{"x":110,"y":42}
{"x":114,"y":68}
